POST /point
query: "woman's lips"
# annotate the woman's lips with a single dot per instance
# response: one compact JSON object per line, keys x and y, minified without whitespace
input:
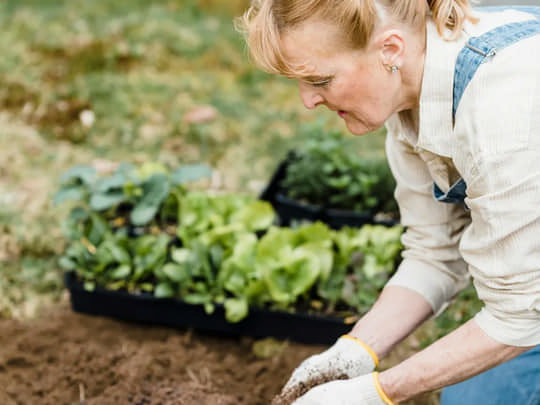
{"x":342,"y":113}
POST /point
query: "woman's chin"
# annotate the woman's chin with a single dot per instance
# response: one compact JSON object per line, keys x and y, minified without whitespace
{"x":357,"y":129}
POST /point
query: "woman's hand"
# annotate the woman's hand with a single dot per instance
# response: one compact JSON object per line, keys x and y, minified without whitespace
{"x":347,"y":358}
{"x":363,"y":390}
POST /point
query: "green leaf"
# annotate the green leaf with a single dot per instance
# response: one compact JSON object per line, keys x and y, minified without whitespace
{"x":291,"y":261}
{"x":371,"y":267}
{"x":117,"y":285}
{"x":239,"y":268}
{"x":121,"y":272}
{"x":113,"y":183}
{"x":146,"y":287}
{"x":175,"y":272}
{"x":150,"y":169}
{"x":217,"y":253}
{"x":164,"y":290}
{"x":104,"y":201}
{"x":78,"y":214}
{"x":294,"y":276}
{"x":322,"y":253}
{"x":132,"y":190}
{"x":155,"y":191}
{"x":89,"y":286}
{"x":280,"y":282}
{"x":275,"y":244}
{"x":196,"y":298}
{"x":98,"y":229}
{"x":258,"y":215}
{"x":190,"y":173}
{"x":209,"y":307}
{"x":316,"y":232}
{"x":224,"y":235}
{"x":236,"y":309}
{"x":66,"y":263}
{"x":84,"y":174}
{"x":120,"y":254}
{"x":69,"y":193}
{"x":143,"y":214}
{"x":150,"y":253}
{"x":180,"y":255}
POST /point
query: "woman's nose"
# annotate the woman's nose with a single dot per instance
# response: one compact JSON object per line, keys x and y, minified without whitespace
{"x":310,"y":96}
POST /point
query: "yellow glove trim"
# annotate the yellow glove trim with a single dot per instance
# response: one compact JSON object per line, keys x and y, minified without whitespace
{"x":368,"y":349}
{"x":380,"y":391}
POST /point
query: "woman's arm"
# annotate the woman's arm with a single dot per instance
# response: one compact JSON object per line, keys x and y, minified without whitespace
{"x":397,"y":312}
{"x":462,"y":354}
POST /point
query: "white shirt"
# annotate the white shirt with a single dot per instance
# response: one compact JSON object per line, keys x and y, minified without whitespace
{"x":495,"y":147}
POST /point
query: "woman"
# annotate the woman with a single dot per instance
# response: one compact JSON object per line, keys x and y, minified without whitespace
{"x":459,"y":93}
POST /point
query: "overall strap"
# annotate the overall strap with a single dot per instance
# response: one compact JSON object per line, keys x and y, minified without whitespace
{"x":474,"y":53}
{"x":481,"y":48}
{"x":526,"y":9}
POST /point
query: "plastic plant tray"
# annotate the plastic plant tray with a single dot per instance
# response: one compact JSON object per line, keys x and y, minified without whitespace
{"x":289,"y":209}
{"x":260,"y":323}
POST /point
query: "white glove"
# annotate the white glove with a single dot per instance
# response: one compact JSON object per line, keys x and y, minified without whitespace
{"x":363,"y":390}
{"x":347,"y":358}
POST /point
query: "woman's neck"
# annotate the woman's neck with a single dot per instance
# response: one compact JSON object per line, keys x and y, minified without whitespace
{"x":412,"y":71}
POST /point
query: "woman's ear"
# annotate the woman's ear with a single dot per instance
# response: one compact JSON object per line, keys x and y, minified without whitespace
{"x":391,"y":48}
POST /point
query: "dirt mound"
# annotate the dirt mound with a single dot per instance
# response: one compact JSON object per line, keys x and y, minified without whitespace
{"x":68,"y":358}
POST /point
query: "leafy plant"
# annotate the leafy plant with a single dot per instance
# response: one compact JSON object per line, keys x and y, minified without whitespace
{"x":130,"y":195}
{"x":223,"y":249}
{"x":230,"y":265}
{"x":328,"y":172}
{"x":291,"y":261}
{"x":200,"y":212}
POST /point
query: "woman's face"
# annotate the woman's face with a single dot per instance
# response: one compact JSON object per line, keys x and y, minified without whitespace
{"x":354,"y":83}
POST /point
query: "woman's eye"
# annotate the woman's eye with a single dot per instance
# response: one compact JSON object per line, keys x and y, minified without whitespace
{"x":321,"y":83}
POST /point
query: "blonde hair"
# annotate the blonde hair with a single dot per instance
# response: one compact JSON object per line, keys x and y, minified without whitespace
{"x":266,"y":20}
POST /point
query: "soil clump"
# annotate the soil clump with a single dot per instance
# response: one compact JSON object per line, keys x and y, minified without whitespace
{"x":286,"y":397}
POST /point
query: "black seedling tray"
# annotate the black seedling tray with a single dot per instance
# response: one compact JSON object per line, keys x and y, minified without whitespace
{"x":260,"y":323}
{"x":289,"y":209}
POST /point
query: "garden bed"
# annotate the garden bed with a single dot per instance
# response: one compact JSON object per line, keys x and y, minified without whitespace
{"x":64,"y":358}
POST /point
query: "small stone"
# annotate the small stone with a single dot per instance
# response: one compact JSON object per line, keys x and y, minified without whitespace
{"x":200,"y":114}
{"x":87,"y":118}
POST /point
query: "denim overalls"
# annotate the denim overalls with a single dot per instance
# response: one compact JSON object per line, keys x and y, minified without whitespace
{"x":517,"y":381}
{"x":477,"y":51}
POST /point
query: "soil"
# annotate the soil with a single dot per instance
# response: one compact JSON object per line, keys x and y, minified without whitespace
{"x":73,"y":359}
{"x":288,"y":396}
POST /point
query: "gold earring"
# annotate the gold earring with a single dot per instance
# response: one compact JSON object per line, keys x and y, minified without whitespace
{"x":394,"y":68}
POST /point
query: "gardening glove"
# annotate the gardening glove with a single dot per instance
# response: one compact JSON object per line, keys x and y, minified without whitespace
{"x":363,"y":390}
{"x":348,"y":357}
